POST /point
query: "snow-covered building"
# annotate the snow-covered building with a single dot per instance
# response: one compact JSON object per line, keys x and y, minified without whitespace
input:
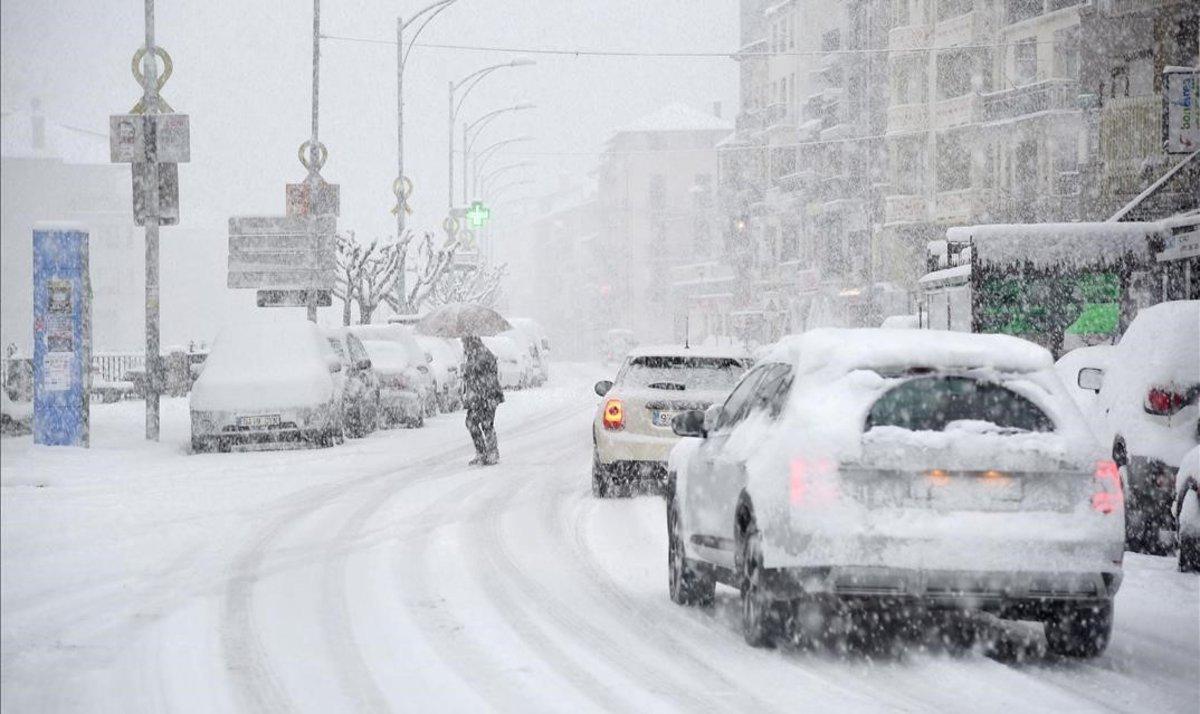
{"x":54,"y":171}
{"x":656,"y":187}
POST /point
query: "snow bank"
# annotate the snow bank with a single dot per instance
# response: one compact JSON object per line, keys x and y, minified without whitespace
{"x":1055,"y":244}
{"x":265,"y":364}
{"x":1188,"y":512}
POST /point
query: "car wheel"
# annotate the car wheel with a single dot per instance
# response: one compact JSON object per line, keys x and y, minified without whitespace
{"x":1189,"y":555}
{"x":202,"y":446}
{"x":224,"y":446}
{"x":1080,"y":630}
{"x":687,"y":585}
{"x":601,"y":480}
{"x":760,"y":621}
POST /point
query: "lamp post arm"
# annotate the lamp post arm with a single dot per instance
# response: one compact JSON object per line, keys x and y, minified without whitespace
{"x":437,"y":8}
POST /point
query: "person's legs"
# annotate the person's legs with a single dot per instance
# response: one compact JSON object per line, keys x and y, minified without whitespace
{"x":475,"y":426}
{"x":488,"y":427}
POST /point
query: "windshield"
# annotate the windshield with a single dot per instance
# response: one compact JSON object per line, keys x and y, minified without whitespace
{"x":951,"y":403}
{"x":682,"y":373}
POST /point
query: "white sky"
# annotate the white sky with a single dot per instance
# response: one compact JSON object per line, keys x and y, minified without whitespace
{"x":242,"y":71}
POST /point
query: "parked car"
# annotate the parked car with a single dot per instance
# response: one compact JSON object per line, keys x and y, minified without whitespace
{"x":445,"y":361}
{"x":1147,"y":411}
{"x":406,"y":386}
{"x":267,"y":382}
{"x":1187,"y":511}
{"x":512,"y":362}
{"x":361,"y":388}
{"x":538,"y":346}
{"x":866,"y":467}
{"x":631,"y":431}
{"x":1068,"y":367}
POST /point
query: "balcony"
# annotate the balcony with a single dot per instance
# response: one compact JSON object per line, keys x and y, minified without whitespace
{"x":777,"y":114}
{"x":961,"y":207}
{"x":966,"y":29}
{"x":905,"y":209}
{"x":908,"y":37}
{"x":797,"y":181}
{"x":748,"y":121}
{"x":1050,"y":95}
{"x":957,"y":111}
{"x":902,"y":118}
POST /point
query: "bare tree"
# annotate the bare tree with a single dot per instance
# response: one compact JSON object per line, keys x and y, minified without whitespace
{"x":367,"y":273}
{"x":431,"y":262}
{"x":469,"y":283}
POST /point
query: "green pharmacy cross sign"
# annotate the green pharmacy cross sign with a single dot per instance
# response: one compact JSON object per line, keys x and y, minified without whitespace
{"x":478,"y":214}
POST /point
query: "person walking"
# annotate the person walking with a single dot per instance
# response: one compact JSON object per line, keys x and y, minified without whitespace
{"x":481,"y":395}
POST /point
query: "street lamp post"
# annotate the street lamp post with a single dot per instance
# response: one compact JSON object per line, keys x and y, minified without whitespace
{"x":487,"y":153}
{"x":453,"y":108}
{"x":477,"y":126}
{"x":485,"y":178}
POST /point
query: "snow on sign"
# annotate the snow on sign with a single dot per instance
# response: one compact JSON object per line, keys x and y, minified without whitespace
{"x":1181,"y":110}
{"x":131,"y":134}
{"x":302,"y":200}
{"x":282,"y":252}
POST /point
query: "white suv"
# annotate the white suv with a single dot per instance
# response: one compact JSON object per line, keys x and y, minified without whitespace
{"x":632,"y":427}
{"x":873,"y":471}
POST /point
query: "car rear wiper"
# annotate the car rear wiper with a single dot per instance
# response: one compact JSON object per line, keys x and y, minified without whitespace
{"x":676,"y":386}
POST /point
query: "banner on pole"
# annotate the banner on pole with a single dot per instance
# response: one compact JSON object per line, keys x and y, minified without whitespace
{"x":62,"y":339}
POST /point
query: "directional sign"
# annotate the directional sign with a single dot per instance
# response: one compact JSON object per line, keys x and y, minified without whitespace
{"x":168,"y":193}
{"x":302,"y":200}
{"x":282,"y":252}
{"x":130,"y":135}
{"x":293,"y":298}
{"x":478,"y":214}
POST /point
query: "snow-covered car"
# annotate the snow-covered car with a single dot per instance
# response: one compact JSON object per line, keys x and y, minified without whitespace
{"x":512,"y":362}
{"x":538,"y":346}
{"x":1068,"y":366}
{"x":1147,"y":411}
{"x":407,"y":371}
{"x":631,"y":431}
{"x":445,"y":361}
{"x":1187,"y":511}
{"x":870,"y":467}
{"x":267,"y":382}
{"x":360,"y":384}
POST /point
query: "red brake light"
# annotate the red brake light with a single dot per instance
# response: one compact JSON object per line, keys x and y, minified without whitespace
{"x":1163,"y":401}
{"x":614,"y":414}
{"x":1108,"y":495}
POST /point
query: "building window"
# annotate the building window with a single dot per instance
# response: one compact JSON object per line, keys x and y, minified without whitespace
{"x":900,"y":16}
{"x":831,"y":41}
{"x":1019,"y":10}
{"x":1066,"y":53}
{"x":1025,"y":62}
{"x":953,"y":164}
{"x":954,"y":71}
{"x":947,"y":9}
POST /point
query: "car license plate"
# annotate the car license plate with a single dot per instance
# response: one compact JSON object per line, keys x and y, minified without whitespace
{"x":259,"y":421}
{"x":662,"y":418}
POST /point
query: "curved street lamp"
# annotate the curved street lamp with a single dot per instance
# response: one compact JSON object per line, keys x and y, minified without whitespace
{"x":488,"y":152}
{"x":469,"y":82}
{"x":485,"y":178}
{"x":478,"y":126}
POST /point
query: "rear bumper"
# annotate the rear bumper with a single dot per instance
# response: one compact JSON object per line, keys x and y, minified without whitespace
{"x":619,"y":446}
{"x":217,"y":427}
{"x":944,"y":589}
{"x":400,"y":403}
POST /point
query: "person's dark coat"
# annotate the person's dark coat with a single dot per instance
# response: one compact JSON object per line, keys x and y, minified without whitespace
{"x":481,"y":376}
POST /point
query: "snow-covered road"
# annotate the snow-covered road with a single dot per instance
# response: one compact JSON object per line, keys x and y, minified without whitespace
{"x":386,"y":574}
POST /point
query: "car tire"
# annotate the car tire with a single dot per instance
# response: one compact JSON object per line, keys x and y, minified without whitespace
{"x":1080,"y":630}
{"x":1189,"y":554}
{"x":686,"y":583}
{"x":203,"y":446}
{"x":601,"y":478}
{"x":224,"y":446}
{"x":761,"y":624}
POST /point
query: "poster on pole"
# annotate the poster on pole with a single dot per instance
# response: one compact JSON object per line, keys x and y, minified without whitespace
{"x":61,"y":334}
{"x":1181,"y":112}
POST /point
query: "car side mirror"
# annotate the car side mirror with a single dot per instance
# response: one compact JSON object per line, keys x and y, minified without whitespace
{"x":689,"y":423}
{"x":1090,"y":378}
{"x":603,"y":386}
{"x":363,"y":364}
{"x":712,"y":418}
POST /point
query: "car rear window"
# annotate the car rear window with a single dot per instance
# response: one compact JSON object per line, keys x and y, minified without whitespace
{"x":934,"y":403}
{"x":676,"y":373}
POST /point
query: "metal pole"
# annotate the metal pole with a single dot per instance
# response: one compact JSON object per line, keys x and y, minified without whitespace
{"x":150,"y":97}
{"x":464,"y":165}
{"x":400,"y":287}
{"x":314,"y":147}
{"x":450,"y":151}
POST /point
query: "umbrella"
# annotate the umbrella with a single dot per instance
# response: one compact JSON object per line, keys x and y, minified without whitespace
{"x":462,"y":320}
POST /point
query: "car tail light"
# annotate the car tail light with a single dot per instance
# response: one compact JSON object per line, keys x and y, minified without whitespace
{"x":812,"y":483}
{"x":614,"y":414}
{"x":1108,"y":496}
{"x":1164,"y":402}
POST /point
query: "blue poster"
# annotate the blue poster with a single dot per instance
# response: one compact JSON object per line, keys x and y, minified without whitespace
{"x":62,"y":339}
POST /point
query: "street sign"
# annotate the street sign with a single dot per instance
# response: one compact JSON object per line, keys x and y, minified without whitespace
{"x":131,"y":134}
{"x":168,"y":193}
{"x":293,"y":298}
{"x":282,"y":252}
{"x":303,"y":201}
{"x":478,"y":214}
{"x":1181,"y":110}
{"x":62,"y":337}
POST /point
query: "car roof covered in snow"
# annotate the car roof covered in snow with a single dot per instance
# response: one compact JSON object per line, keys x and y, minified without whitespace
{"x":846,"y":350}
{"x":728,"y":351}
{"x":1050,"y":244}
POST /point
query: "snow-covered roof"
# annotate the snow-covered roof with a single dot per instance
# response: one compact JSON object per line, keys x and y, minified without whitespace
{"x":1047,"y":244}
{"x":70,"y":144}
{"x":729,"y":351}
{"x":846,"y":350}
{"x":677,"y":117}
{"x":958,"y":273}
